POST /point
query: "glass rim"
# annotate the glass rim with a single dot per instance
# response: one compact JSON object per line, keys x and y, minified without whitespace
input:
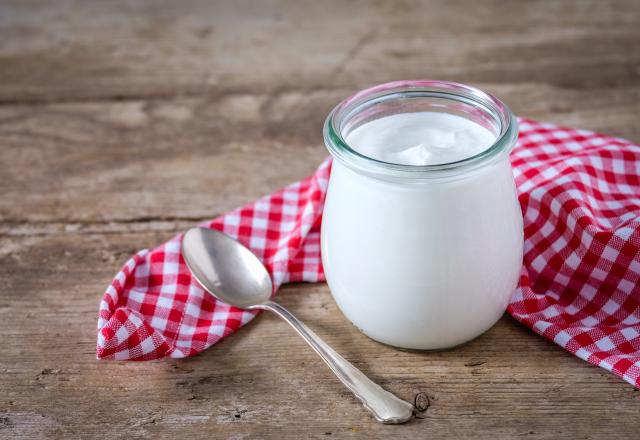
{"x":341,"y":150}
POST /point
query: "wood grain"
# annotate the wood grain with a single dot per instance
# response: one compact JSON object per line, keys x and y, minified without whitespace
{"x":125,"y":122}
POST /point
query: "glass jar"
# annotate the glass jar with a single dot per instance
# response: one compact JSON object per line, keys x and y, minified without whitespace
{"x":422,"y":257}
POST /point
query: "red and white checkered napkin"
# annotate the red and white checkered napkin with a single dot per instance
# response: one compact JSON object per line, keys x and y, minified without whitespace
{"x":580,"y":283}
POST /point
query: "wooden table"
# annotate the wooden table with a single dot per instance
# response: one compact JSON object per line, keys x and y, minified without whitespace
{"x":124,"y":122}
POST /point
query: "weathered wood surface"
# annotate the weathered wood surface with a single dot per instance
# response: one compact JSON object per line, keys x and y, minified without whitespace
{"x":122,"y":123}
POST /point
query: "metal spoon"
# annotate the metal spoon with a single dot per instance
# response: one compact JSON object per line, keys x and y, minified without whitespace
{"x":233,"y":274}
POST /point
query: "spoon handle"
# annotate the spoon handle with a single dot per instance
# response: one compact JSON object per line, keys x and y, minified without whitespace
{"x":384,"y":406}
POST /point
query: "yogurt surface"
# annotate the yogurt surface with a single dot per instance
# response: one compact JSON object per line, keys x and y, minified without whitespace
{"x":421,"y":138}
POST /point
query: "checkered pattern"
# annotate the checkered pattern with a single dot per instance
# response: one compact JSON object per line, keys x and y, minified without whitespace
{"x":580,"y":282}
{"x":154,"y":308}
{"x":579,"y":287}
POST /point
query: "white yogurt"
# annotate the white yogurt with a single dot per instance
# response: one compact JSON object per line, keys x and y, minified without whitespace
{"x":430,"y":264}
{"x":424,"y":138}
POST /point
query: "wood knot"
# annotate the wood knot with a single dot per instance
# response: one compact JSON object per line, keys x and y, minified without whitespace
{"x":421,"y":402}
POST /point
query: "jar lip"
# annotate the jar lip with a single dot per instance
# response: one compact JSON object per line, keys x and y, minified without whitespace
{"x":341,"y":150}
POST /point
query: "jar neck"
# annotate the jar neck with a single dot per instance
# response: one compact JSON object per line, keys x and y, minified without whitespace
{"x":416,"y":96}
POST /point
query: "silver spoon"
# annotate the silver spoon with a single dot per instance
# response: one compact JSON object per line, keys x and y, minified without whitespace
{"x":233,"y":274}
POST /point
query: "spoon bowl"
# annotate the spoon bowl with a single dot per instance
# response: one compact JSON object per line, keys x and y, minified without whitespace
{"x":225,"y":268}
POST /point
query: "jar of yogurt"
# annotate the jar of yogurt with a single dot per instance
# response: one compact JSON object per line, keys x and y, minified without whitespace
{"x":422,"y":234}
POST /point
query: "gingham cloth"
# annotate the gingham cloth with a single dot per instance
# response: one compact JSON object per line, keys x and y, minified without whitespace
{"x":579,"y":287}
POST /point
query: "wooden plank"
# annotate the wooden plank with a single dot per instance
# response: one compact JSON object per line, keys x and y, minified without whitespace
{"x":264,"y":381}
{"x":78,"y":50}
{"x":193,"y":158}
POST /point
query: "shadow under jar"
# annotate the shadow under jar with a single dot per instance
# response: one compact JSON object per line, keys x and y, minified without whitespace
{"x":421,"y":256}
